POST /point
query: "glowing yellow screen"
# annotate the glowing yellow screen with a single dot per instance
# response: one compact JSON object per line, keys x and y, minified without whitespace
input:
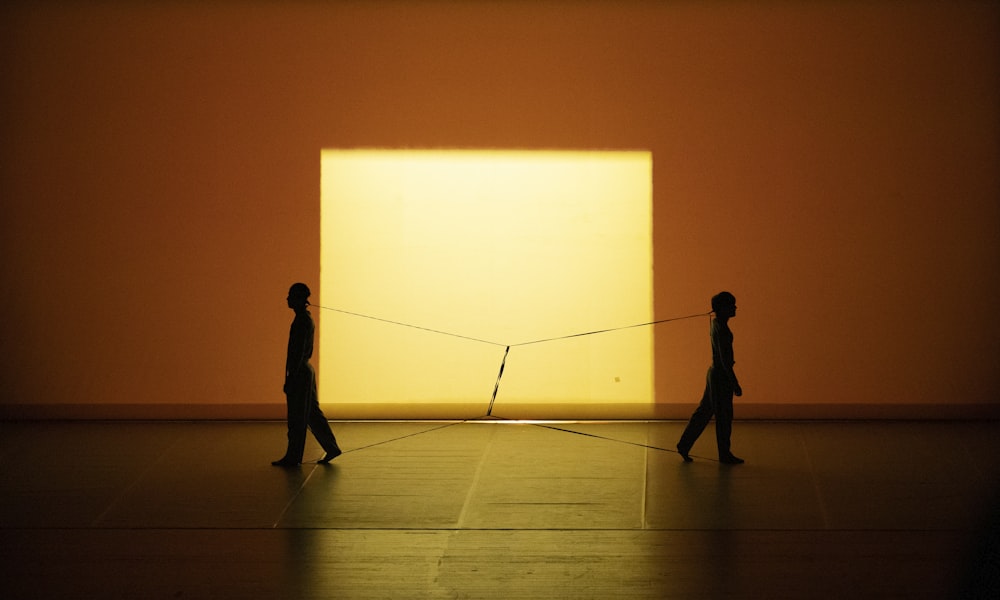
{"x":503,"y":246}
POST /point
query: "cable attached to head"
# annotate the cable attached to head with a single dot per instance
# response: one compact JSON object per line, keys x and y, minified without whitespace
{"x":507,"y":347}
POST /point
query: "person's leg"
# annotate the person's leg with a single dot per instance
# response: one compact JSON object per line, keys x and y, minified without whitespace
{"x":296,"y":398}
{"x":320,"y":428}
{"x":318,"y":423}
{"x":722,"y":400}
{"x":724,"y":424}
{"x":697,"y":423}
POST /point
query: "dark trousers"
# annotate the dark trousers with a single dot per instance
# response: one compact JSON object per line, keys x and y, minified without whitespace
{"x":717,"y":401}
{"x":303,"y":412}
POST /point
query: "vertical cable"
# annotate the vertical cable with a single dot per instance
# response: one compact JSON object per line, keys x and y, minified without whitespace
{"x":496,"y":387}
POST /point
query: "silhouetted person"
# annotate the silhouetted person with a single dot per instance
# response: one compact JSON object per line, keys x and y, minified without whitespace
{"x":720,"y":386}
{"x":300,"y":386}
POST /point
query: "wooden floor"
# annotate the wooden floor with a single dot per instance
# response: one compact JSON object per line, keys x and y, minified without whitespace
{"x":494,"y":510}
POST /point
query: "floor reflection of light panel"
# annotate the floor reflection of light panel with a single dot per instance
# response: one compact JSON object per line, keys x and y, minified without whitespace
{"x":501,"y":246}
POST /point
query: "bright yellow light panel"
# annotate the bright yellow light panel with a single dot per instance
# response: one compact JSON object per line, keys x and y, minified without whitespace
{"x":503,"y":246}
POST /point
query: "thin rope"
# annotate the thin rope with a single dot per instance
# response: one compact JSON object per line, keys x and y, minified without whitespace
{"x":502,"y":420}
{"x":509,"y":346}
{"x":573,"y":335}
{"x":409,"y":435}
{"x":601,"y":437}
{"x":448,"y":333}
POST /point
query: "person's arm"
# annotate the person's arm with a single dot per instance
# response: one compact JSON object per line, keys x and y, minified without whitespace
{"x":296,"y":351}
{"x":730,"y":363}
{"x":722,"y":344}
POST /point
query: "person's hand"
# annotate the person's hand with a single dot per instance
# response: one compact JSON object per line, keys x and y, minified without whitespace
{"x":738,"y":391}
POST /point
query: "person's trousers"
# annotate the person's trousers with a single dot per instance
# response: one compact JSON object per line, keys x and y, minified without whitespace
{"x":304,"y":412}
{"x":717,"y":401}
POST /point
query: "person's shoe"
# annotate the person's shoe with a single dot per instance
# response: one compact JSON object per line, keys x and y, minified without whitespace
{"x":731,"y":460}
{"x":329,"y":456}
{"x":285,"y":462}
{"x":684,"y":454}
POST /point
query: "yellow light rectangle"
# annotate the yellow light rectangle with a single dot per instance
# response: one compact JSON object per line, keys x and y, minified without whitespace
{"x":502,"y":246}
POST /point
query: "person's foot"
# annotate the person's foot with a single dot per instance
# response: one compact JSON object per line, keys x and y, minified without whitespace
{"x":329,"y":456}
{"x":731,"y":460}
{"x":285,"y":462}
{"x":684,"y":453}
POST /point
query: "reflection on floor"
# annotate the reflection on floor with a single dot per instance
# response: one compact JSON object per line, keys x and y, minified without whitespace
{"x":493,"y":510}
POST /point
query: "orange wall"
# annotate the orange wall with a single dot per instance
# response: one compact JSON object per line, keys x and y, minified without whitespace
{"x":834,"y":164}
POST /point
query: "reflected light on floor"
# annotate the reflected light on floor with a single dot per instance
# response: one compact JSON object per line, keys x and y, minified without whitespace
{"x":502,"y":246}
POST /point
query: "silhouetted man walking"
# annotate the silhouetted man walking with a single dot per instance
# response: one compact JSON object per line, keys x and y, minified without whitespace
{"x":720,"y":386}
{"x":300,"y":386}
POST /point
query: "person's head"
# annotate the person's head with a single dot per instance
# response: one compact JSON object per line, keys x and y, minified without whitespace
{"x":724,"y":305}
{"x":298,"y":295}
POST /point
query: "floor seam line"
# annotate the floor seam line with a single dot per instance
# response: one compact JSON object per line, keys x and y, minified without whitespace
{"x":460,"y":524}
